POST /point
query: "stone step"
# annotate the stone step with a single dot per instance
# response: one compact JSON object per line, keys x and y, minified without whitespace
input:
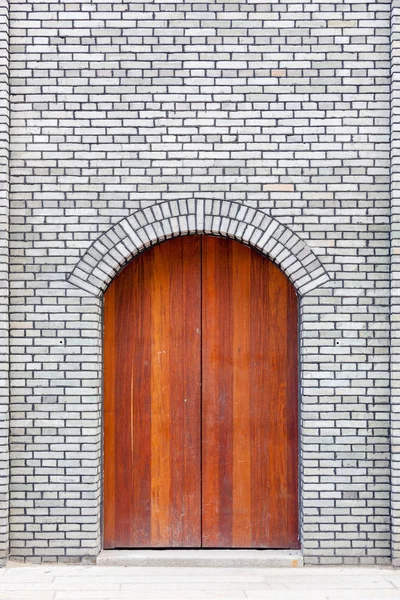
{"x":201,"y":558}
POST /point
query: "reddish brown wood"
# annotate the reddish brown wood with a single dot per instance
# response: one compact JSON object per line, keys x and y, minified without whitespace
{"x":162,"y":442}
{"x":249,"y":402}
{"x":152,"y":400}
{"x":109,"y":418}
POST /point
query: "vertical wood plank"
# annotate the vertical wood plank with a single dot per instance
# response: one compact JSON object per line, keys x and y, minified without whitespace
{"x":276,"y":448}
{"x":176,"y":394}
{"x":109,"y":420}
{"x":242,"y":459}
{"x":293,"y":419}
{"x":262,"y":400}
{"x":160,"y":397}
{"x":140,"y":398}
{"x":217,"y":408}
{"x":186,"y":386}
{"x":124,"y":449}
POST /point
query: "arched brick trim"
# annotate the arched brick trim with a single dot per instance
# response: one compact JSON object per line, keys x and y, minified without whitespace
{"x":163,"y":220}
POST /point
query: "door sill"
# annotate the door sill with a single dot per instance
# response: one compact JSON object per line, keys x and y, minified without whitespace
{"x":201,"y":558}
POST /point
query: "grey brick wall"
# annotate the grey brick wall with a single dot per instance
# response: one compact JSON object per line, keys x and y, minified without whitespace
{"x":4,"y":286}
{"x":281,"y":107}
{"x":395,"y":280}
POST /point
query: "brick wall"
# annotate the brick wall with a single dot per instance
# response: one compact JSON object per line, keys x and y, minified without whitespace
{"x":4,"y":285}
{"x":281,"y":107}
{"x":395,"y":277}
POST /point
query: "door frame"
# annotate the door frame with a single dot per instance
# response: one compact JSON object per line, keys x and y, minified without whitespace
{"x":123,"y":239}
{"x":299,"y":412}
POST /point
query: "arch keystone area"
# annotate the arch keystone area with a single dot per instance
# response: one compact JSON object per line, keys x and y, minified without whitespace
{"x":171,"y":218}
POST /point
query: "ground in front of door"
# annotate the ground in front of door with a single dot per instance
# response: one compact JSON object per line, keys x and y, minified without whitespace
{"x":145,"y":583}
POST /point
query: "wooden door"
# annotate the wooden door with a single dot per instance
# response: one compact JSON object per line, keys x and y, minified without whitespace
{"x":249,"y":408}
{"x":152,"y":460}
{"x":200,"y":369}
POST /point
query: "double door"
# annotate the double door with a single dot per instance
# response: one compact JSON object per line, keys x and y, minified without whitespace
{"x":200,"y":386}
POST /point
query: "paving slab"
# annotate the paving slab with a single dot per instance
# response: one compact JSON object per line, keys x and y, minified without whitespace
{"x":93,"y":582}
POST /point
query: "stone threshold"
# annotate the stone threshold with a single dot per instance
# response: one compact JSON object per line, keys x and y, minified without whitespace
{"x":201,"y":558}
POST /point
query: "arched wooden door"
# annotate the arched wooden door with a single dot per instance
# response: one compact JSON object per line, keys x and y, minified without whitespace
{"x":200,"y":386}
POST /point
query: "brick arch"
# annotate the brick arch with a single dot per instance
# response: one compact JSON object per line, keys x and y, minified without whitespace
{"x":170,"y":218}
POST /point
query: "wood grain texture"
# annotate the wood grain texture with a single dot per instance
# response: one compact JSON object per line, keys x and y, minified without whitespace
{"x":249,"y":400}
{"x":152,"y":400}
{"x":200,"y":369}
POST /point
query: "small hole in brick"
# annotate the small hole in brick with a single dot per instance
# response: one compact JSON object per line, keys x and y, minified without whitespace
{"x":337,"y":342}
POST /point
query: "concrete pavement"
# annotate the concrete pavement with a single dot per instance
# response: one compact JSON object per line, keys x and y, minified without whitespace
{"x":147,"y":583}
